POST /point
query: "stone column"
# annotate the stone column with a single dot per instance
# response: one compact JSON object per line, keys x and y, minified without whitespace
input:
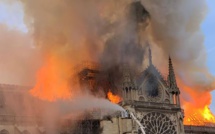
{"x":178,"y":99}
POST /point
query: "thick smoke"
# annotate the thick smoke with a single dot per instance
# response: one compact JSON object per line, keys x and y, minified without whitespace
{"x":100,"y":31}
{"x":175,"y":28}
{"x":70,"y":32}
{"x":18,"y":102}
{"x":66,"y":33}
{"x":109,"y":33}
{"x":19,"y":59}
{"x":75,"y":109}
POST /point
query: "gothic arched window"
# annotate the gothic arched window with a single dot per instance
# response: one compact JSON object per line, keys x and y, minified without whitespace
{"x":126,"y":89}
{"x":126,"y":92}
{"x":4,"y":131}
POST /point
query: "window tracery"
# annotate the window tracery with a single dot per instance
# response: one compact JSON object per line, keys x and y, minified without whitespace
{"x":157,"y":123}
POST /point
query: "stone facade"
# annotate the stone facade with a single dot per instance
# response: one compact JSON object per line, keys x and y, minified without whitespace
{"x":16,"y":113}
{"x":154,"y":100}
{"x":158,"y":111}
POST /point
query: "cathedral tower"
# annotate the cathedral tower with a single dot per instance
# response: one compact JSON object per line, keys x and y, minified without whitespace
{"x":154,"y":100}
{"x":129,"y":90}
{"x":173,"y":88}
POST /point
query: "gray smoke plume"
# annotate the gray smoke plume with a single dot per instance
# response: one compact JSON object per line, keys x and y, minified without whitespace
{"x":112,"y":33}
{"x":76,"y":31}
{"x":86,"y":30}
{"x":175,"y":30}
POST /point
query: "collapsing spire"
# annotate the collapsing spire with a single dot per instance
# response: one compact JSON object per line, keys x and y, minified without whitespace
{"x":172,"y":80}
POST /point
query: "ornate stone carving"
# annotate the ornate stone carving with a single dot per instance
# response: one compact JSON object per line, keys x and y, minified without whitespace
{"x":157,"y":123}
{"x":140,"y":115}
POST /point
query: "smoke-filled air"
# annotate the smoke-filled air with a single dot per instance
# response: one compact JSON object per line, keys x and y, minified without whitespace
{"x":68,"y":35}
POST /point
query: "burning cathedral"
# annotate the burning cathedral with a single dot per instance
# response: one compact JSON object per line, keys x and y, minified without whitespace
{"x":150,"y":101}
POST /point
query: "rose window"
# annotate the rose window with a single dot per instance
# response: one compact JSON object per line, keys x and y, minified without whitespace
{"x":157,"y":123}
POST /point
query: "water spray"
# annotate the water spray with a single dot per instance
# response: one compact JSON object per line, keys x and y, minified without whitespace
{"x":126,"y":113}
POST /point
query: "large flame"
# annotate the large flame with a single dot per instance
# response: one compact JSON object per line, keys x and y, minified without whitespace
{"x":53,"y":83}
{"x":208,"y":115}
{"x":200,"y":117}
{"x":196,"y":106}
{"x":113,"y":98}
{"x":52,"y":80}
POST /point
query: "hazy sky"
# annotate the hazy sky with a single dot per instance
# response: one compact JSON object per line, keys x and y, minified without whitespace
{"x":208,"y":28}
{"x":12,"y":15}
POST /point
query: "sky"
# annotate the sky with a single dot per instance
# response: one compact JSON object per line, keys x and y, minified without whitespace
{"x":12,"y":15}
{"x":208,"y":28}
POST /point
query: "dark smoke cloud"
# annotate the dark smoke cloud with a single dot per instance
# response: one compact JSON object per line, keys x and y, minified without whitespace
{"x":92,"y":30}
{"x":125,"y":47}
{"x":108,"y":32}
{"x":175,"y":30}
{"x":73,"y":32}
{"x":80,"y":31}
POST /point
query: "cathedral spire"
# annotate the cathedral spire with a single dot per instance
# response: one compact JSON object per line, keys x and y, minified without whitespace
{"x":172,"y":80}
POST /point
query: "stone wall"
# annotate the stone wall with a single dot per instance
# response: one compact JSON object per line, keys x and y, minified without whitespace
{"x":117,"y":126}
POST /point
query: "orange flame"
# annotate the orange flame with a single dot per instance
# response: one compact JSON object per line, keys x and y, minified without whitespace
{"x":113,"y":98}
{"x":52,"y":81}
{"x":197,"y":111}
{"x":208,"y":115}
{"x":52,"y":84}
{"x":201,"y":117}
